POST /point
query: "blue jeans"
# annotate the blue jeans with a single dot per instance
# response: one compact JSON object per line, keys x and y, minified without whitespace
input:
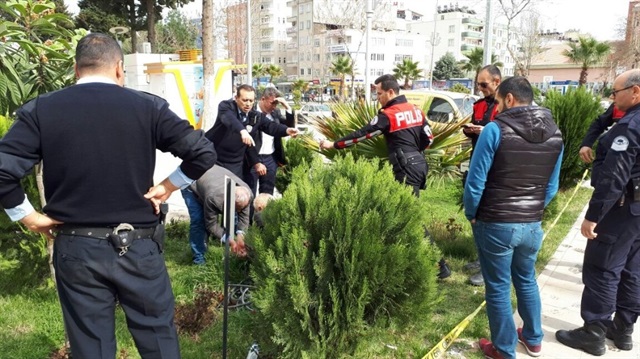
{"x":508,"y":251}
{"x":197,"y":230}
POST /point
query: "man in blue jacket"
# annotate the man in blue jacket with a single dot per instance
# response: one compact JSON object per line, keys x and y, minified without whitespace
{"x":513,"y":175}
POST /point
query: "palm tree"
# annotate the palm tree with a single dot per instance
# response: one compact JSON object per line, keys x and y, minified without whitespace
{"x":587,"y":52}
{"x":408,"y":70}
{"x":273,"y":71}
{"x":258,"y":70}
{"x":474,"y":62}
{"x":342,"y":66}
{"x":298,"y":87}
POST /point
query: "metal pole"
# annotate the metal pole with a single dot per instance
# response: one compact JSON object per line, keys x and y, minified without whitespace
{"x":367,"y":68}
{"x":229,"y":225}
{"x":249,"y":59}
{"x":435,"y":39}
{"x":488,"y":36}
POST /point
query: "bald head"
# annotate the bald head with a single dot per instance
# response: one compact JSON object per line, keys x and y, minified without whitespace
{"x":626,"y":89}
{"x":99,"y":54}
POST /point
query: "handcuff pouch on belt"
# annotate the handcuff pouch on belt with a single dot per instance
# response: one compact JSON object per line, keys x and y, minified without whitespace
{"x":120,"y":239}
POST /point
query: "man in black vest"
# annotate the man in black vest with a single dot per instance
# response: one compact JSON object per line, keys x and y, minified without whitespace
{"x":611,"y":268}
{"x":98,"y":142}
{"x":513,"y":175}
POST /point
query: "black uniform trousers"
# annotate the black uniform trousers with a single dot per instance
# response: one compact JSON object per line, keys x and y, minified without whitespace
{"x":91,"y":276}
{"x":413,"y":173}
{"x":611,"y":269}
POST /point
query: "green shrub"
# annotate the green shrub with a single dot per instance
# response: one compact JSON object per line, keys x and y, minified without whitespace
{"x":21,"y":251}
{"x":573,"y":112}
{"x":296,"y":153}
{"x":459,"y":88}
{"x":343,"y":250}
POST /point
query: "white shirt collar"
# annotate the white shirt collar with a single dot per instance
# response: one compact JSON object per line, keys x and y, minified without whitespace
{"x":95,"y":79}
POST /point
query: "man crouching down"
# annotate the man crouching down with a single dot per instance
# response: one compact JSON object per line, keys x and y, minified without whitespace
{"x":205,"y":202}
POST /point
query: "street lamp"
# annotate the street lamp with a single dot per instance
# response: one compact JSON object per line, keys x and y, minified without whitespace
{"x":119,"y":30}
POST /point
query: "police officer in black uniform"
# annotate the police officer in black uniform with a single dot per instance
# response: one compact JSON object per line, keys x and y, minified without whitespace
{"x":406,"y":133}
{"x":98,"y":142}
{"x":611,"y":269}
{"x":597,"y":127}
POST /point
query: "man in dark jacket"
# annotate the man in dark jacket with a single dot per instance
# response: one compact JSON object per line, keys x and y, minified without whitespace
{"x":271,"y":152}
{"x":231,"y":132}
{"x":98,"y":142}
{"x":484,"y":112}
{"x":610,"y":270}
{"x":407,"y":135}
{"x":513,"y":175}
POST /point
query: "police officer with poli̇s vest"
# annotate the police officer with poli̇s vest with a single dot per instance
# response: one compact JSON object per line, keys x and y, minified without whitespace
{"x":405,"y":130}
{"x":406,"y":133}
{"x":611,"y":268}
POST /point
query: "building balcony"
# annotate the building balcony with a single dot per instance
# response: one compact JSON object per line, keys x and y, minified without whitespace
{"x":340,"y":48}
{"x":292,"y":30}
{"x":468,"y":47}
{"x":471,"y":35}
{"x":291,"y":46}
{"x":472,"y":21}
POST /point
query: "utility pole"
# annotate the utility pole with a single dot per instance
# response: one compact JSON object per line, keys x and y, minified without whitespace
{"x":435,"y":40}
{"x":249,"y":60}
{"x":208,"y":56}
{"x":367,"y":59}
{"x":488,"y":36}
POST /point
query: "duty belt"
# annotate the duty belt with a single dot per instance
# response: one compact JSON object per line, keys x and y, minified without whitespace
{"x":104,"y":232}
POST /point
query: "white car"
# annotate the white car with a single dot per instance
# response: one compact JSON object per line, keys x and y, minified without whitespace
{"x":311,"y":110}
{"x":445,"y":106}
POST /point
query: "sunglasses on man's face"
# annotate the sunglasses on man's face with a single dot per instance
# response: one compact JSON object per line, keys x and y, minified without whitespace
{"x":483,"y":85}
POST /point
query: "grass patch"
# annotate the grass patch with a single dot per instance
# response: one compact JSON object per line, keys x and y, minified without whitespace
{"x":31,"y":321}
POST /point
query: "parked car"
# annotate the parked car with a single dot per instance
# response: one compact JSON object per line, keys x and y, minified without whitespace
{"x":445,"y":105}
{"x":311,"y":110}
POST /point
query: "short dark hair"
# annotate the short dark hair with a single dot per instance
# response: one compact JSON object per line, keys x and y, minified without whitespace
{"x":519,"y":87}
{"x":270,"y":92}
{"x":388,"y":82}
{"x":96,"y":50}
{"x":244,"y":87}
{"x":493,"y":70}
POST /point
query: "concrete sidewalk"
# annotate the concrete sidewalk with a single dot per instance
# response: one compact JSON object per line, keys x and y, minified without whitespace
{"x":561,"y":290}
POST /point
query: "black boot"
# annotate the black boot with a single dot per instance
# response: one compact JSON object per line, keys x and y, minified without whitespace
{"x":445,"y":272}
{"x":589,"y":338}
{"x":620,"y":333}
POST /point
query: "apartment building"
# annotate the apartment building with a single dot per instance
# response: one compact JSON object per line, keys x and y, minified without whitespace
{"x":322,"y":30}
{"x":458,"y":30}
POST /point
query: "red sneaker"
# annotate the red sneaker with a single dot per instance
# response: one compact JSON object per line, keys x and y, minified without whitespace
{"x":489,"y":351}
{"x":532,"y":350}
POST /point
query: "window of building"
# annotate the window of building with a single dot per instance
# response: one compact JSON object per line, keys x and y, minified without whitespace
{"x":316,"y":42}
{"x":377,"y":57}
{"x":301,"y":10}
{"x":404,"y":42}
{"x":316,"y":57}
{"x":377,"y":41}
{"x":279,"y":60}
{"x":265,"y":46}
{"x":309,"y":71}
{"x":266,"y":60}
{"x":308,"y":24}
{"x":452,"y":29}
{"x":451,"y":42}
{"x":302,"y":72}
